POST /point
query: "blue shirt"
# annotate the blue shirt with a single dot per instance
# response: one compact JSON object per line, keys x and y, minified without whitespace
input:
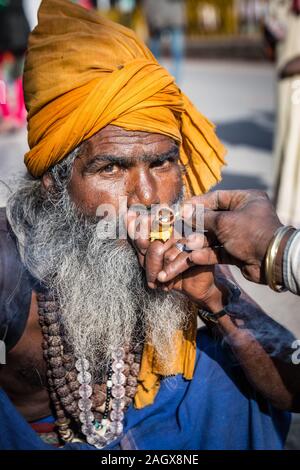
{"x":216,"y":410}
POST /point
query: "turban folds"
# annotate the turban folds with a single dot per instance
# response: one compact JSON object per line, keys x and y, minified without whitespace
{"x":84,"y":72}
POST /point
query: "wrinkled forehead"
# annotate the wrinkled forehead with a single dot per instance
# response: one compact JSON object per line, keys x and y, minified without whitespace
{"x":118,"y":142}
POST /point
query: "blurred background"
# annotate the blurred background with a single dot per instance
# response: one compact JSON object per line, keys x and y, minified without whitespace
{"x":239,"y":62}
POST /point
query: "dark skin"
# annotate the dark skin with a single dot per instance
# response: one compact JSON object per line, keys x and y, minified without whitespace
{"x":114,"y":163}
{"x":291,"y":69}
{"x":243,"y":223}
{"x":23,"y":377}
{"x":145,"y":168}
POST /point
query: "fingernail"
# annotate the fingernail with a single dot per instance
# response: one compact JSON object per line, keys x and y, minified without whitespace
{"x":162,"y":276}
{"x":151,"y":285}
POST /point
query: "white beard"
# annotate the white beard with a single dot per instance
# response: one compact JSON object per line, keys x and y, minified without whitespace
{"x":103,"y":297}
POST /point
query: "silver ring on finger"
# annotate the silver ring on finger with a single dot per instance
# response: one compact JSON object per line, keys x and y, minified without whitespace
{"x":182,"y":247}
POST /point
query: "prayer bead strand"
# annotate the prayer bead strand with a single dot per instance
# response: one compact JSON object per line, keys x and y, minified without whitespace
{"x":77,"y":399}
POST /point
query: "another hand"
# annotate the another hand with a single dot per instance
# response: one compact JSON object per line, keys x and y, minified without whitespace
{"x":196,"y":282}
{"x":240,"y":226}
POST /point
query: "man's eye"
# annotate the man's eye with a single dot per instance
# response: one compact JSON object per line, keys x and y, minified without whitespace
{"x":112,"y":168}
{"x":163,"y":163}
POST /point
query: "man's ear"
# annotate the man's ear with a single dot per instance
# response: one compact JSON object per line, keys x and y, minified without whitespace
{"x":47,"y":183}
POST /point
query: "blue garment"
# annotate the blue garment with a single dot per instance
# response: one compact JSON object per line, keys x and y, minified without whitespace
{"x":48,"y":419}
{"x":218,"y":409}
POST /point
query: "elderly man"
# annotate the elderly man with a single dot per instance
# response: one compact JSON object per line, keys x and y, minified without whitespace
{"x":99,"y":354}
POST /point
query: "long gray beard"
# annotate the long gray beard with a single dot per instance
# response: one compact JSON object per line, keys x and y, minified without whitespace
{"x":103,"y":298}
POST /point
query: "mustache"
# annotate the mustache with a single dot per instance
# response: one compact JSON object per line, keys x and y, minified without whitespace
{"x":100,"y":287}
{"x":113,"y":225}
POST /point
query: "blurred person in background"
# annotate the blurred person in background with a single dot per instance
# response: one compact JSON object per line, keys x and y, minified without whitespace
{"x":14,"y":31}
{"x":167,"y":17}
{"x":287,"y":144}
{"x":31,"y":8}
{"x":274,"y":27}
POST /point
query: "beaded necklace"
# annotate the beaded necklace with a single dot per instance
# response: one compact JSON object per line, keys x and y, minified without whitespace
{"x":93,"y":411}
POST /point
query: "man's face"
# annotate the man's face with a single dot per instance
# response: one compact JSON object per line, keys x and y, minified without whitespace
{"x":115,"y":163}
{"x":99,"y":283}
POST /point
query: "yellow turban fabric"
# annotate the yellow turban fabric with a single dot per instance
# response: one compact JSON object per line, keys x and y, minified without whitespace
{"x":83,"y":72}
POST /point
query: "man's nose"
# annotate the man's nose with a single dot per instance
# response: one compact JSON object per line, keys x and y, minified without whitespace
{"x":144,"y":189}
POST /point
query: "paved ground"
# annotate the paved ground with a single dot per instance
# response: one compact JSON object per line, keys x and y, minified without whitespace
{"x":239,"y":98}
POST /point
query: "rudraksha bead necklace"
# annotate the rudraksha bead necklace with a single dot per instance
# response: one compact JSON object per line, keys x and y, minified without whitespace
{"x":95,"y":411}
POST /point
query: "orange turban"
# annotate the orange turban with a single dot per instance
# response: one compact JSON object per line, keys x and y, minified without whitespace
{"x":83,"y":72}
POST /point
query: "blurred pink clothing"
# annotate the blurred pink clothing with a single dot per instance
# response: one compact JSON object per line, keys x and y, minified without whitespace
{"x":85,"y":3}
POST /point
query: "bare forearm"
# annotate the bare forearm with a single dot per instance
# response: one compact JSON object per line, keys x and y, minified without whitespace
{"x":259,"y":367}
{"x":264,"y":350}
